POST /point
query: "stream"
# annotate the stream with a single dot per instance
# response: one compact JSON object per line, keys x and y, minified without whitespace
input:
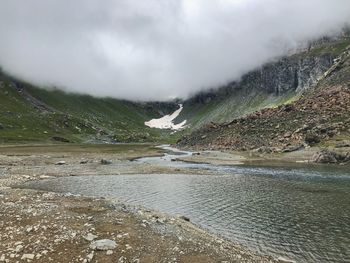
{"x":298,"y":212}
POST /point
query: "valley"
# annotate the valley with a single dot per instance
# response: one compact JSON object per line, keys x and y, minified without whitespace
{"x":260,"y":172}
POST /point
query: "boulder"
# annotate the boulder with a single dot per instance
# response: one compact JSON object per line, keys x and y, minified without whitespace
{"x":343,"y":144}
{"x":312,"y":138}
{"x":105,"y":162}
{"x":327,"y":156}
{"x":103,"y":244}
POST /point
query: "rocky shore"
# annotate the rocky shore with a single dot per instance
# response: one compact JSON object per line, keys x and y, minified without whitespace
{"x":45,"y":227}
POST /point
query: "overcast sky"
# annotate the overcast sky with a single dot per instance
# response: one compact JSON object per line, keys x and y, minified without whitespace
{"x":154,"y":49}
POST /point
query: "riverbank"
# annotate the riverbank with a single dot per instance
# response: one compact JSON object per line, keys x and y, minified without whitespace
{"x":56,"y":227}
{"x":302,"y":156}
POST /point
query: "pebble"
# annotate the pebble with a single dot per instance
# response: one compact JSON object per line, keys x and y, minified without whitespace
{"x":128,"y":247}
{"x":90,"y":257}
{"x":19,"y":248}
{"x":90,"y":237}
{"x":122,"y":260}
{"x":285,"y":260}
{"x":28,"y":256}
{"x":109,"y":252}
{"x":60,"y":163}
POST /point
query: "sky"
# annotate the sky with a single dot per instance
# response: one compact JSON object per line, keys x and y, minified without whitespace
{"x":155,"y":49}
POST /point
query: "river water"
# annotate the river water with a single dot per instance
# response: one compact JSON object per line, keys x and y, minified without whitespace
{"x":298,"y":212}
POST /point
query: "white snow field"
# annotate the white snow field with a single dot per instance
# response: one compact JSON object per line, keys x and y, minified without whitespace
{"x":167,"y":121}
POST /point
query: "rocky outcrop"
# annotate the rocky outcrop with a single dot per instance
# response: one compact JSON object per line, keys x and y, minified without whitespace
{"x":272,"y":85}
{"x":321,"y":114}
{"x":318,"y":116}
{"x":294,"y":73}
{"x":328,"y":156}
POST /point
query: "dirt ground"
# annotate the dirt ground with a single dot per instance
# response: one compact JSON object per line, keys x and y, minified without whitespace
{"x":55,"y":227}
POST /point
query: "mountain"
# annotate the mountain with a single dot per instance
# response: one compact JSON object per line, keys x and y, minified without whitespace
{"x":320,"y":115}
{"x":276,"y":83}
{"x":31,"y":114}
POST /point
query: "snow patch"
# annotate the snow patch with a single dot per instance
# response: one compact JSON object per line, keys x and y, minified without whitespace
{"x":167,"y":121}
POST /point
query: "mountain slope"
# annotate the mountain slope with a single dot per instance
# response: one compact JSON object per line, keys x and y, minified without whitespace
{"x":275,"y":84}
{"x":320,"y":116}
{"x":29,"y":114}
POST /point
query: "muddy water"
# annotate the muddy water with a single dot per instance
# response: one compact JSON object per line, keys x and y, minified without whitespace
{"x":299,"y":213}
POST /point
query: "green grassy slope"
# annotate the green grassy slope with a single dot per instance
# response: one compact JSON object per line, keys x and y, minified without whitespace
{"x":29,"y":114}
{"x":240,"y":104}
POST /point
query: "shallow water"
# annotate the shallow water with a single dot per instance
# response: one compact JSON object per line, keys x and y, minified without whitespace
{"x":301,"y":214}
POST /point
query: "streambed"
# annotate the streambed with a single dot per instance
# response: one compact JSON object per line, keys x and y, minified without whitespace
{"x":301,"y":213}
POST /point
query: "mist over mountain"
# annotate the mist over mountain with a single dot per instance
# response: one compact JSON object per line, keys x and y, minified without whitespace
{"x":155,"y":50}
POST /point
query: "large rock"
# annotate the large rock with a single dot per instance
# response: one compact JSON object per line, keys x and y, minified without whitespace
{"x":105,"y":162}
{"x":312,"y":138}
{"x":103,"y":244}
{"x":343,"y":144}
{"x":327,"y":156}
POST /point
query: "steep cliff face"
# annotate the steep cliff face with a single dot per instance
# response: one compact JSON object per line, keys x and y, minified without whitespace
{"x":295,"y":73}
{"x":274,"y":84}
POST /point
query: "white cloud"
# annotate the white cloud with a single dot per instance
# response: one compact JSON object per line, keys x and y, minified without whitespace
{"x":151,"y":49}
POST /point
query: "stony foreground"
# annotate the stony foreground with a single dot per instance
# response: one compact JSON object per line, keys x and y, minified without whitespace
{"x":55,"y":227}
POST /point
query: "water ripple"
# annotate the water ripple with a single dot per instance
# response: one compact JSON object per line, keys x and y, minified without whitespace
{"x":277,"y":212}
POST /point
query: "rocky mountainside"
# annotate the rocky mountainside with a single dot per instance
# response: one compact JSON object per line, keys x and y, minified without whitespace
{"x":275,"y":84}
{"x":30,"y":114}
{"x":321,"y":116}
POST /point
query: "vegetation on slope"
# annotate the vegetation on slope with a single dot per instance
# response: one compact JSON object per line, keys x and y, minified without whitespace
{"x":29,"y":114}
